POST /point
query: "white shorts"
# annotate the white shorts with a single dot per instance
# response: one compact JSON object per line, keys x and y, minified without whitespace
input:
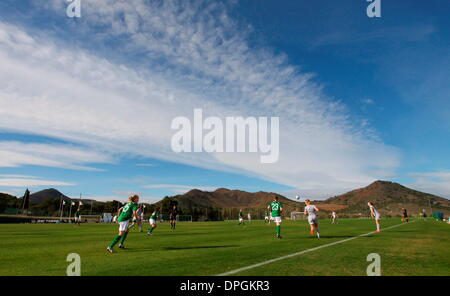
{"x":276,"y":219}
{"x":123,"y":226}
{"x":241,"y":219}
{"x":266,"y":218}
{"x":377,"y":217}
{"x":152,"y":221}
{"x":313,"y":220}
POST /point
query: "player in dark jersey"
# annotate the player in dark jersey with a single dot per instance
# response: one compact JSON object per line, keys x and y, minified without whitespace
{"x":173,"y":213}
{"x":404,"y":215}
{"x":77,"y":218}
{"x":241,"y":217}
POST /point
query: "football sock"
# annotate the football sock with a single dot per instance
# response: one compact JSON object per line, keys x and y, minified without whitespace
{"x":115,"y":241}
{"x":151,"y":230}
{"x":124,"y":237}
{"x":278,"y":228}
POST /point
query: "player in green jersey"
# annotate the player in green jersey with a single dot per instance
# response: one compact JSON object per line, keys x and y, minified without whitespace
{"x":126,"y":213}
{"x":153,"y":220}
{"x":241,"y":217}
{"x":76,"y":217}
{"x":276,"y":208}
{"x":266,"y":217}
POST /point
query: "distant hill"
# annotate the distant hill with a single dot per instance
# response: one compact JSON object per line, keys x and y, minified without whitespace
{"x":7,"y":196}
{"x":8,"y":201}
{"x":227,"y":199}
{"x":389,"y":198}
{"x":51,"y":193}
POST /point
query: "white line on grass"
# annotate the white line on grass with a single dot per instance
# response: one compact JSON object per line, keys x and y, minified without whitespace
{"x":304,"y":251}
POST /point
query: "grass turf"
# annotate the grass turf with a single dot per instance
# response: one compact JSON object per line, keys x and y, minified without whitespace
{"x":209,"y":248}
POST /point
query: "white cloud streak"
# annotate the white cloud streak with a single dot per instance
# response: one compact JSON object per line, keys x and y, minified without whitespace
{"x":14,"y":154}
{"x":437,"y":183}
{"x":29,"y":181}
{"x":188,"y":55}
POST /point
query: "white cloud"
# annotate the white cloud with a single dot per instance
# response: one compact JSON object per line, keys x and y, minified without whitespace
{"x":29,"y":181}
{"x":437,"y":183}
{"x":188,"y":55}
{"x":14,"y":154}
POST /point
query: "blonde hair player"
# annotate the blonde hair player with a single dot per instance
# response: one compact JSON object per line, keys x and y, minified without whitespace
{"x":126,"y":213}
{"x":374,"y":214}
{"x":313,"y":219}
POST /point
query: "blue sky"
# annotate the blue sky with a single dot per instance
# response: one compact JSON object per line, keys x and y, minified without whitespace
{"x":86,"y":104}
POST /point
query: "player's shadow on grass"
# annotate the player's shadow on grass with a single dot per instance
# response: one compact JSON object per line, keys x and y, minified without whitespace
{"x":200,"y":247}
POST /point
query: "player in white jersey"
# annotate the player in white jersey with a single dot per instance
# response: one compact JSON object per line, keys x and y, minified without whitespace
{"x":374,"y":214}
{"x":313,"y":219}
{"x":333,"y":217}
{"x":241,"y":217}
{"x":140,"y":217}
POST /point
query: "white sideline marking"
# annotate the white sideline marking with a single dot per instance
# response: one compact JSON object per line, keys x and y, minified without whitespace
{"x":304,"y":251}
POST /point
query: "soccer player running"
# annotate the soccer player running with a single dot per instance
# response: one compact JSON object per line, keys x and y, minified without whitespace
{"x":140,"y":217}
{"x":241,"y":217}
{"x":76,"y":217}
{"x":333,"y":217}
{"x":173,"y":217}
{"x":276,"y":208}
{"x":313,"y":219}
{"x":374,"y":214}
{"x":153,"y":221}
{"x":266,"y":217}
{"x":405,"y":215}
{"x":125,"y":214}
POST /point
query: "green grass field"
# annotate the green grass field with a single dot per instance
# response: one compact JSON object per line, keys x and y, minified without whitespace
{"x":210,"y":248}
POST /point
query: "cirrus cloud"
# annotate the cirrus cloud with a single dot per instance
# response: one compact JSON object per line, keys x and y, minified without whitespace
{"x":185,"y":56}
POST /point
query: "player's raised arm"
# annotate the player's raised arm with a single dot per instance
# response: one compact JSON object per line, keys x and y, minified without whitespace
{"x":316,"y":208}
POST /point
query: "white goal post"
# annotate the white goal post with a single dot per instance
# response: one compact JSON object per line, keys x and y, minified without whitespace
{"x":297,"y":215}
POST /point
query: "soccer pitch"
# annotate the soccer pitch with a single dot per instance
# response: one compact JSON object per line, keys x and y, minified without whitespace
{"x":212,"y":248}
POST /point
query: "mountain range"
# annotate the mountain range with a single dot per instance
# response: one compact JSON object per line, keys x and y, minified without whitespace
{"x":388,"y":197}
